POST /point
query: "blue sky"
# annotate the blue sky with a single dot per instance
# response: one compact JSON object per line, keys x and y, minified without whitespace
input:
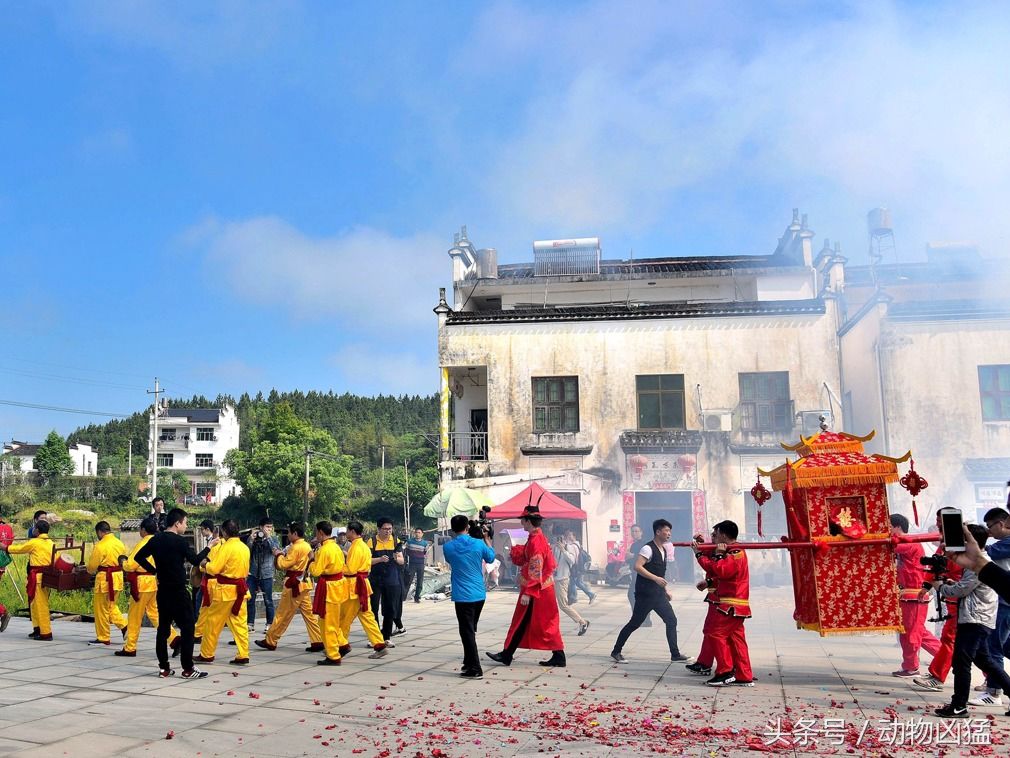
{"x":241,"y":196}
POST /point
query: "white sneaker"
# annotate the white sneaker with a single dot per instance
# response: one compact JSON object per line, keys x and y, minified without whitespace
{"x":987,"y":700}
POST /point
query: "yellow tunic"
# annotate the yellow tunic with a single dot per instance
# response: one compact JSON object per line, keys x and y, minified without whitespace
{"x":145,"y":582}
{"x":330,"y":560}
{"x":359,"y":560}
{"x":39,"y":550}
{"x":232,"y":561}
{"x":106,"y":554}
{"x":295,"y":560}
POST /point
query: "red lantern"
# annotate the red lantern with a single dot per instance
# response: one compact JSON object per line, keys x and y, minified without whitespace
{"x":761,"y":496}
{"x":914,"y":484}
{"x":686,"y":463}
{"x":638,"y":463}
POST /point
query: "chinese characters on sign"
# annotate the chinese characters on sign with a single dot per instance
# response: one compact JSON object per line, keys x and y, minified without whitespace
{"x":914,"y":731}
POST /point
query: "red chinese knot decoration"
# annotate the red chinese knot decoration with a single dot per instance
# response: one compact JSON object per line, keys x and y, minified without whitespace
{"x":761,"y":496}
{"x":914,"y":484}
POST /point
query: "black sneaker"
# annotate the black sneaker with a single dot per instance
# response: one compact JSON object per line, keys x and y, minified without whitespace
{"x":720,"y":680}
{"x":697,"y":668}
{"x":679,"y":657}
{"x":950,"y":712}
{"x":399,"y":630}
{"x":499,"y":658}
{"x":583,"y":628}
{"x":472,"y":674}
{"x":618,"y":658}
{"x":194,"y":674}
{"x":5,"y":619}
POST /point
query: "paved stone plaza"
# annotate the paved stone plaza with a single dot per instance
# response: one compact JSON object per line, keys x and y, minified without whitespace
{"x":66,"y":699}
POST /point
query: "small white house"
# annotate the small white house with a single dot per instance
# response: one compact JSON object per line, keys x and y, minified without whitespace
{"x":85,"y":457}
{"x":195,"y":441}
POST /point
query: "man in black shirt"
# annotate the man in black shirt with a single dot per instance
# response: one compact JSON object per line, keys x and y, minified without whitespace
{"x":637,"y":540}
{"x":170,"y":551}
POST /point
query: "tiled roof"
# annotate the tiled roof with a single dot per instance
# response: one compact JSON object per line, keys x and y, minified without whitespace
{"x":195,"y":415}
{"x":649,"y":266}
{"x":919,"y":272}
{"x":650,"y":311}
{"x":22,"y":450}
{"x":952,"y":310}
{"x":668,"y":440}
{"x":987,"y":469}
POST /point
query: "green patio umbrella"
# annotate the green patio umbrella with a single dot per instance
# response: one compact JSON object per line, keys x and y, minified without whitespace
{"x":455,"y":502}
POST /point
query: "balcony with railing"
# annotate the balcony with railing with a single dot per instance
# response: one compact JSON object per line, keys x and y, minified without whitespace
{"x":468,"y":446}
{"x":173,"y":442}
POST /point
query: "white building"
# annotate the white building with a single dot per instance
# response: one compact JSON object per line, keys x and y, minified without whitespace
{"x":925,"y":356}
{"x":195,"y":441}
{"x":85,"y":457}
{"x":635,"y":389}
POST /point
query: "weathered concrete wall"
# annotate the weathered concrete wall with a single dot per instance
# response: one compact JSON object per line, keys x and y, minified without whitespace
{"x":607,"y":356}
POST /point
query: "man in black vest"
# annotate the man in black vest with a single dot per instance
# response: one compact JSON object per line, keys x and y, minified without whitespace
{"x":387,"y":584}
{"x":650,"y":592}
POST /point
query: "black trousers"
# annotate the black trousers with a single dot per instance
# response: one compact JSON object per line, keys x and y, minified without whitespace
{"x":175,"y":605}
{"x":389,"y":599}
{"x":413,"y":574}
{"x":644,"y":605}
{"x":467,"y":616}
{"x":971,"y":645}
{"x":524,"y":624}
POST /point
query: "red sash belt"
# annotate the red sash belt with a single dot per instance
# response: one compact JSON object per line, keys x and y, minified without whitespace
{"x":133,"y":579}
{"x":361,"y":589}
{"x":294,"y":582}
{"x":110,"y":588}
{"x":319,"y":599}
{"x":205,"y":591}
{"x":241,"y":588}
{"x":33,"y":572}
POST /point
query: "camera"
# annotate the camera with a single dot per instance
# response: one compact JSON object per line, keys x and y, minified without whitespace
{"x":258,"y":534}
{"x":935,"y":565}
{"x":482,"y":528}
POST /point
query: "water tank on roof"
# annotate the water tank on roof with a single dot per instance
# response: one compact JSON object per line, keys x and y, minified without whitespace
{"x":487,"y":263}
{"x":878,"y":221}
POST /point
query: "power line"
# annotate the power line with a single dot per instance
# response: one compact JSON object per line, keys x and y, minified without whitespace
{"x":36,"y":406}
{"x":70,"y":379}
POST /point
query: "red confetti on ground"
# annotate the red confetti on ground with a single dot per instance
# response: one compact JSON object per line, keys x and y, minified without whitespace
{"x":254,"y":695}
{"x":170,"y":735}
{"x":230,"y":693}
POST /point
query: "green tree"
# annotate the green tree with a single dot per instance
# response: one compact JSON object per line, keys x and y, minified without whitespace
{"x":272,"y":474}
{"x":53,"y":458}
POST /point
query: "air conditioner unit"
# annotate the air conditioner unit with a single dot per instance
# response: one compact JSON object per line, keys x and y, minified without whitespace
{"x":717,"y":421}
{"x":810,"y":421}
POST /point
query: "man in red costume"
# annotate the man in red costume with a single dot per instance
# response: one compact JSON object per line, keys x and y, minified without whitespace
{"x":913,"y":601}
{"x":706,"y":656}
{"x":941,"y":649}
{"x":729,"y":644}
{"x":535,"y":623}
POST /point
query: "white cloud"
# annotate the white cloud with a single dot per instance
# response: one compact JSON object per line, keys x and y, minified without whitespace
{"x":897,"y":105}
{"x":374,"y":282}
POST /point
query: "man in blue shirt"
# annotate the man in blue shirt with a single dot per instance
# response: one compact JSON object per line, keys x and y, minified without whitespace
{"x":467,"y":556}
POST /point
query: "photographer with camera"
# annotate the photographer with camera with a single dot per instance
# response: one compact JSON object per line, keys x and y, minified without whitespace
{"x":976,"y":619}
{"x":466,"y":555}
{"x":911,"y":597}
{"x":263,"y":545}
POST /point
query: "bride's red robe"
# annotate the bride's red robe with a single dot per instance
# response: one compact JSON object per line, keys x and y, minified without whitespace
{"x":536,"y":579}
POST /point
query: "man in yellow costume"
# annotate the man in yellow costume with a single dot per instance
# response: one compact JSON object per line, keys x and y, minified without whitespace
{"x":297,"y":594}
{"x":356,"y":570}
{"x":104,"y":564}
{"x":39,"y":550}
{"x":327,"y":565}
{"x":225,"y":595}
{"x":143,"y":588}
{"x":210,"y":533}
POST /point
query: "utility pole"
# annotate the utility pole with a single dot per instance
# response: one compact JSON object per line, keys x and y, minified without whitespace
{"x":129,"y":460}
{"x":154,"y":468}
{"x":406,"y":497}
{"x":305,"y":505}
{"x":383,"y":448}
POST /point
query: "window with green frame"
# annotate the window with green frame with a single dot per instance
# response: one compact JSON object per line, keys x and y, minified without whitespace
{"x":764,"y":402}
{"x":994,"y":389}
{"x":660,"y":401}
{"x":555,"y":404}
